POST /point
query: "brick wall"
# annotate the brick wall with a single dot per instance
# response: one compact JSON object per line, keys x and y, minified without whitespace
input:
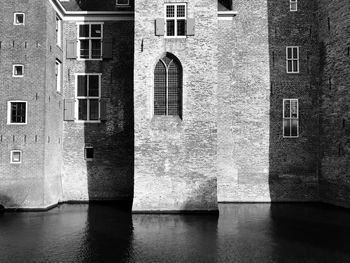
{"x":334,"y":19}
{"x":110,"y":175}
{"x":175,"y":159}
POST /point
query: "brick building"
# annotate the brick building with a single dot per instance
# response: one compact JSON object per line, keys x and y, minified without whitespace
{"x":175,"y":105}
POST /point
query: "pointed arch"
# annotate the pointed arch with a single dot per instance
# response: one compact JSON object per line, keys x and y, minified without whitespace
{"x":168,"y":86}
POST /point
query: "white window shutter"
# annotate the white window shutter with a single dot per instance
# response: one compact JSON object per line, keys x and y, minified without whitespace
{"x":190,"y":27}
{"x":159,"y":24}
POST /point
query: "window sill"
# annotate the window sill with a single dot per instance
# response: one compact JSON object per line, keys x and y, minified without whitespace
{"x":87,"y":122}
{"x":16,"y":124}
{"x":174,"y":37}
{"x":86,"y":59}
{"x":290,"y":137}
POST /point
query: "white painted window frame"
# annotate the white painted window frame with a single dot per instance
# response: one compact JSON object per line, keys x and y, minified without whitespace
{"x":85,"y":158}
{"x":89,"y":38}
{"x":20,"y":158}
{"x":290,"y":118}
{"x":293,"y":59}
{"x":175,"y":18}
{"x":292,"y":4}
{"x":58,"y":74}
{"x":13,"y":70}
{"x":58,"y":21}
{"x":122,"y":5}
{"x":87,"y":97}
{"x":15,"y":20}
{"x":9,"y":112}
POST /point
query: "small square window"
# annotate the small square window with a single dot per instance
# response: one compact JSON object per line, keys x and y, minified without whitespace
{"x":89,"y":153}
{"x":16,"y":157}
{"x":293,"y":5}
{"x":19,"y":19}
{"x":18,"y":71}
{"x":123,"y":2}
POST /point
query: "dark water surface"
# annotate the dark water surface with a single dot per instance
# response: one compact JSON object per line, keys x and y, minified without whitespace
{"x":241,"y":233}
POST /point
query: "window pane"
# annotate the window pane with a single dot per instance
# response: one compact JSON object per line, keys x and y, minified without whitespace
{"x":93,"y":86}
{"x":293,"y":6}
{"x":96,"y":49}
{"x":180,"y":27}
{"x":18,"y":70}
{"x":18,"y":112}
{"x":180,"y":11}
{"x":170,"y":27}
{"x":84,"y":48}
{"x":295,"y":53}
{"x":94,"y":109}
{"x":160,"y":89}
{"x":19,"y":19}
{"x":170,"y":11}
{"x":290,"y":66}
{"x":173,"y":89}
{"x":289,"y":53}
{"x":82,"y":86}
{"x":286,"y":127}
{"x":82,"y":109}
{"x":294,"y":109}
{"x":89,"y":153}
{"x":286,"y":108}
{"x":83,"y":30}
{"x":96,"y":31}
{"x":295,"y":65}
{"x":294,"y":124}
{"x":16,"y":157}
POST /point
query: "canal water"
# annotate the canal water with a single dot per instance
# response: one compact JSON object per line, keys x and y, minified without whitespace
{"x":240,"y":233}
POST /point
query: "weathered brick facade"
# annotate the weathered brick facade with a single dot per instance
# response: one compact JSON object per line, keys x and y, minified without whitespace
{"x":227,"y":145}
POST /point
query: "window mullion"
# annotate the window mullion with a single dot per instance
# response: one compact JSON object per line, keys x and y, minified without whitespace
{"x":167,"y":92}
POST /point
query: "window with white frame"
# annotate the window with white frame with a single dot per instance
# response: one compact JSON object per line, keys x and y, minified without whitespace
{"x":90,"y":37}
{"x":89,"y":153}
{"x":16,"y":157}
{"x":175,"y":20}
{"x":17,"y":112}
{"x":58,"y":30}
{"x":293,"y":5}
{"x":88,"y":93}
{"x":290,"y":118}
{"x":122,"y":2}
{"x":17,"y":70}
{"x":58,"y":74}
{"x":19,"y":19}
{"x":292,"y":59}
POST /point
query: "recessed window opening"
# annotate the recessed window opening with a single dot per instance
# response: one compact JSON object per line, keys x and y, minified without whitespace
{"x":292,"y":59}
{"x":58,"y":31}
{"x":58,"y":74}
{"x":18,"y":71}
{"x":89,"y":153}
{"x":175,"y":20}
{"x":293,"y":5}
{"x":168,"y":86}
{"x":16,"y":157}
{"x":122,"y":2}
{"x":90,"y":40}
{"x":17,"y":112}
{"x":19,"y":19}
{"x":290,"y":118}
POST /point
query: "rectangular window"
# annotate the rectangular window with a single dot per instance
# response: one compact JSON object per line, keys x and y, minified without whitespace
{"x":292,"y":59}
{"x":19,"y":19}
{"x":16,"y":157}
{"x":58,"y":73}
{"x":90,"y":40}
{"x":122,"y":2}
{"x":58,"y":31}
{"x":88,"y":97}
{"x":89,"y":153}
{"x":293,"y":5}
{"x":17,"y":71}
{"x":175,"y":20}
{"x":17,"y":112}
{"x":290,"y":118}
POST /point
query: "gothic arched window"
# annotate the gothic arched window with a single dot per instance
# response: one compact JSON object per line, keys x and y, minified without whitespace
{"x":168,"y":86}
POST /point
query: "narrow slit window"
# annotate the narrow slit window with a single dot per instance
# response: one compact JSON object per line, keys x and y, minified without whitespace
{"x":58,"y":31}
{"x":292,"y":59}
{"x":293,"y":5}
{"x":16,"y":157}
{"x":19,"y":19}
{"x":58,"y":73}
{"x":290,"y":118}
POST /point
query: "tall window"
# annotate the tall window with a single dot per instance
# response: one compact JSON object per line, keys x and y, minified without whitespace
{"x":175,"y":19}
{"x":168,"y":86}
{"x":90,"y":40}
{"x":17,"y":112}
{"x":290,"y":118}
{"x":293,"y":5}
{"x":58,"y":73}
{"x":292,"y":59}
{"x":58,"y":31}
{"x":88,"y":97}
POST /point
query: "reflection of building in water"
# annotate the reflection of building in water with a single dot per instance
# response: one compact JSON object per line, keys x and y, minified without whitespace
{"x":177,"y":104}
